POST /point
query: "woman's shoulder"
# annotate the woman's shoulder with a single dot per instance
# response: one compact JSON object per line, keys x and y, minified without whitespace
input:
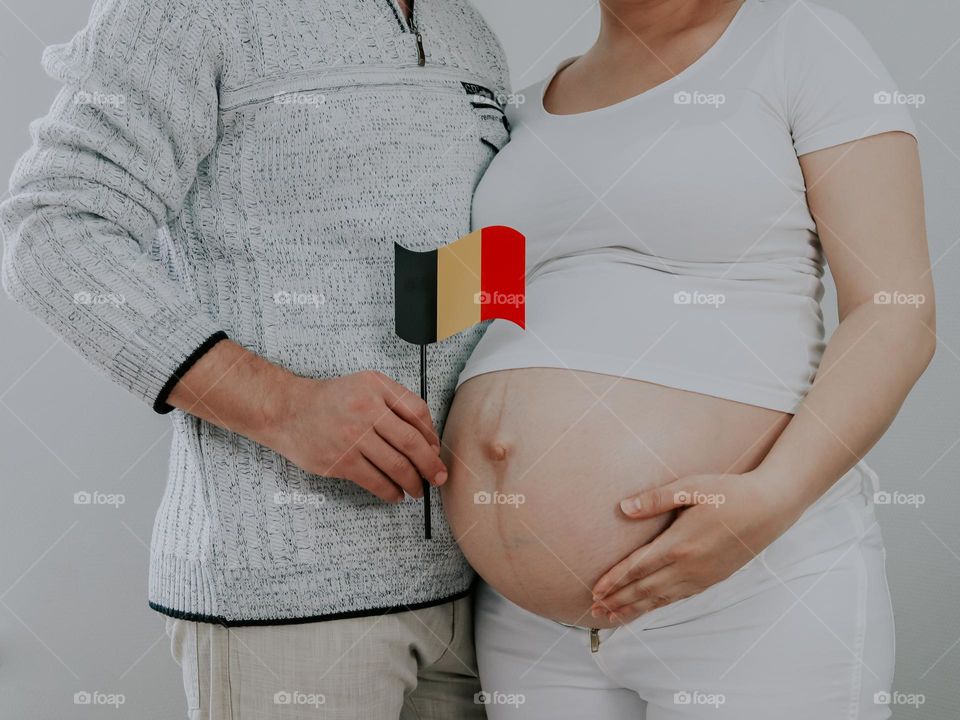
{"x":807,"y":29}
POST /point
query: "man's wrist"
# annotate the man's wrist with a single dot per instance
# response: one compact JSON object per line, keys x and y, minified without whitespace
{"x":279,"y":390}
{"x":238,"y":390}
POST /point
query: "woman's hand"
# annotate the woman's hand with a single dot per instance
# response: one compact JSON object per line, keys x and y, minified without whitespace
{"x":724,"y":521}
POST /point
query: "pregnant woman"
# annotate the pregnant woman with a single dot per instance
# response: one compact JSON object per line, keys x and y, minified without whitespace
{"x":659,"y":481}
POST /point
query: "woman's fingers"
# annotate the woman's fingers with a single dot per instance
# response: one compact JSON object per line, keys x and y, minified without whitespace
{"x":656,"y":501}
{"x":641,"y":562}
{"x":642,"y":595}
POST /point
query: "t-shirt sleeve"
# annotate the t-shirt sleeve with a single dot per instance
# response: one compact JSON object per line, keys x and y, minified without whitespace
{"x":836,"y":88}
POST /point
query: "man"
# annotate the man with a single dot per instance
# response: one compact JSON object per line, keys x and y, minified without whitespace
{"x":232,"y":176}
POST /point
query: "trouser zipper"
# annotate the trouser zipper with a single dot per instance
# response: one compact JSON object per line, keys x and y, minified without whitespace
{"x":594,"y":640}
{"x":411,"y":27}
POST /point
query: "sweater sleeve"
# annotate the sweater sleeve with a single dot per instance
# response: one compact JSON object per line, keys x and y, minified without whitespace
{"x":110,"y":164}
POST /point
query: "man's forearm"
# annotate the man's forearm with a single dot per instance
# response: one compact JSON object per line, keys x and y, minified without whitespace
{"x":364,"y":427}
{"x":235,"y":389}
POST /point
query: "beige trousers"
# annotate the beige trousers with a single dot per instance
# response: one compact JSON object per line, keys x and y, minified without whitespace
{"x":416,"y":665}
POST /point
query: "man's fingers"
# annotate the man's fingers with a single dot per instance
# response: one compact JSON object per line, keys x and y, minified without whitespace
{"x":370,"y":478}
{"x":413,"y":410}
{"x":409,"y":441}
{"x":394,"y":464}
{"x":638,"y":564}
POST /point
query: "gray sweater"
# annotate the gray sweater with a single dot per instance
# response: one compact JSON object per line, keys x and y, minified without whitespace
{"x":244,"y":167}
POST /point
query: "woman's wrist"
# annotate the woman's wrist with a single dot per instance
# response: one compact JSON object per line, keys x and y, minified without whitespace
{"x":786,"y":493}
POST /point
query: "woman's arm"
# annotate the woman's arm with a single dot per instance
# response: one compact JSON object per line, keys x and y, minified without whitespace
{"x":867,"y":199}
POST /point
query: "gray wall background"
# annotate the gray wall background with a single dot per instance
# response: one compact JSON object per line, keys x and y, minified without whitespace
{"x":73,"y":614}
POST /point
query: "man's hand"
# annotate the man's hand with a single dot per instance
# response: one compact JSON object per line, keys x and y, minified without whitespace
{"x":364,"y":428}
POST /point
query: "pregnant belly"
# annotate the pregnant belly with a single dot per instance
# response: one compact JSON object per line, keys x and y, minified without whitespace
{"x":540,"y":459}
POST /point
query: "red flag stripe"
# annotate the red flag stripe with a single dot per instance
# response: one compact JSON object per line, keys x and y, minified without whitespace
{"x":502,"y":271}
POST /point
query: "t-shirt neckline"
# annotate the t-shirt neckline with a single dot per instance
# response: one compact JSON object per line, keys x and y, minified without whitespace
{"x":656,"y":89}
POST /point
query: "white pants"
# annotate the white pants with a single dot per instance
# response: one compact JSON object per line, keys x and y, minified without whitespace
{"x":802,"y":632}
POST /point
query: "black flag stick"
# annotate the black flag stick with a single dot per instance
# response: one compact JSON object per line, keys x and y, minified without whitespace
{"x":426,"y":486}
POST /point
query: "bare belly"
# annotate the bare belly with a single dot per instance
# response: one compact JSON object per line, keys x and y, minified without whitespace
{"x":538,"y":467}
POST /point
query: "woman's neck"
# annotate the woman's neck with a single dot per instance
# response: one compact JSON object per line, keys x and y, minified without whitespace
{"x":654,"y":22}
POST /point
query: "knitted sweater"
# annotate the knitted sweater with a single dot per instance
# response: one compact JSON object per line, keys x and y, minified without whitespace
{"x":244,"y":167}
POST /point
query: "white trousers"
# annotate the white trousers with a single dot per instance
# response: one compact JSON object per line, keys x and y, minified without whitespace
{"x":803,"y":632}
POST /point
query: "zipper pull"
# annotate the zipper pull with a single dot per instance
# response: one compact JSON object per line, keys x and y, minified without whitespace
{"x":594,"y":640}
{"x":421,"y":53}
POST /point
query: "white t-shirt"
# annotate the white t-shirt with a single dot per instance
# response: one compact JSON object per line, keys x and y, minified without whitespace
{"x":668,"y":235}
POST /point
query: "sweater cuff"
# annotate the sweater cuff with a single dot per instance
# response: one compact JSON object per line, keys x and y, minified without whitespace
{"x":160,"y":405}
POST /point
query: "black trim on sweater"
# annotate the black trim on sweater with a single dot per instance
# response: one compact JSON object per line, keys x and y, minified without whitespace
{"x":160,"y":404}
{"x":372,"y":612}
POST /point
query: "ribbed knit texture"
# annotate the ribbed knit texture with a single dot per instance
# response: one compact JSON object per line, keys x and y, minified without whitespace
{"x":246,"y":166}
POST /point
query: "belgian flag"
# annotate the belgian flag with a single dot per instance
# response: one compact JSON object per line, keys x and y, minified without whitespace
{"x":441,"y":292}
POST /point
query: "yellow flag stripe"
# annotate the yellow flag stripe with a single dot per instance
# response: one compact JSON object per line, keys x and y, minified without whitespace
{"x":458,"y":283}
